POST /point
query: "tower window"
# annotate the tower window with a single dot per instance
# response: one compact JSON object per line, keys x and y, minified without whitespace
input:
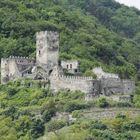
{"x":71,"y":66}
{"x":67,"y":66}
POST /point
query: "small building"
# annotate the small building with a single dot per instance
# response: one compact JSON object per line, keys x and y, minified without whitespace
{"x":72,"y":66}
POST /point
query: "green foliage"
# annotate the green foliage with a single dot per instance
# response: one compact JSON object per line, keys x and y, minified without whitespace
{"x":90,"y":73}
{"x":102,"y":102}
{"x":97,"y":125}
{"x":71,"y":106}
{"x":37,"y":128}
{"x":11,"y":91}
{"x":76,"y":114}
{"x":55,"y":125}
{"x":124,"y":104}
{"x":136,"y":99}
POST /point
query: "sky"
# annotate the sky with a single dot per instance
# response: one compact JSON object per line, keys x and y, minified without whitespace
{"x":135,"y":3}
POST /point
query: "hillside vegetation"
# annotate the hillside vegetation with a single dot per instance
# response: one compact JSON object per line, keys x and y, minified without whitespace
{"x":29,"y":113}
{"x":95,"y":32}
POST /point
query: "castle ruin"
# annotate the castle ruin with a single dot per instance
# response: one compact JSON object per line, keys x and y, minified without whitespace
{"x":46,"y":67}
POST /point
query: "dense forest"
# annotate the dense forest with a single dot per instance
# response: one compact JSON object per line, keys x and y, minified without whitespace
{"x":97,"y":33}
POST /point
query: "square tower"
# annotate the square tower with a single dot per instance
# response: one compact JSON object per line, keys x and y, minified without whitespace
{"x":47,"y":48}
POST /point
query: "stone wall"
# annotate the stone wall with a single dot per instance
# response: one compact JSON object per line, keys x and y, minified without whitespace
{"x":128,"y":86}
{"x":13,"y":67}
{"x":111,"y":86}
{"x":73,"y":83}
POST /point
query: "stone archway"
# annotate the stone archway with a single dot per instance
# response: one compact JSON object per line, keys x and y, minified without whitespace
{"x":40,"y":76}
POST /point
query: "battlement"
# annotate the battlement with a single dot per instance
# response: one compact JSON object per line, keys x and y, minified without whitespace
{"x":45,"y":33}
{"x":78,"y":78}
{"x":18,"y":59}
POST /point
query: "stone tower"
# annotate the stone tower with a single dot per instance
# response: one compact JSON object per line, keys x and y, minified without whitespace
{"x":47,"y":48}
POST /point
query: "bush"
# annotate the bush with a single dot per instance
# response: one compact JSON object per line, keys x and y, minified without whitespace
{"x":76,"y":114}
{"x":124,"y":104}
{"x":48,"y":111}
{"x":11,"y":112}
{"x":98,"y":125}
{"x":71,"y":106}
{"x":11,"y":91}
{"x":102,"y":102}
{"x":55,"y":125}
{"x":37,"y":128}
{"x":122,"y":116}
{"x":131,"y":126}
{"x":48,"y":114}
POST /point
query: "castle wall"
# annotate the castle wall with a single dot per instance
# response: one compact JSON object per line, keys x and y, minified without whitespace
{"x":128,"y":86}
{"x":12,"y":67}
{"x":112,"y":86}
{"x":58,"y":82}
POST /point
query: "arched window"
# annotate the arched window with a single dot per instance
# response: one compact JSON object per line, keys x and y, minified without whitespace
{"x":67,"y":66}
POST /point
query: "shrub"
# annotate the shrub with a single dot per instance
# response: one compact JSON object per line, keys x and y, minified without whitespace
{"x":124,"y":104}
{"x":55,"y":125}
{"x":102,"y":102}
{"x":11,"y":91}
{"x":98,"y":125}
{"x":71,"y":106}
{"x":122,"y":116}
{"x":37,"y":128}
{"x":76,"y":114}
{"x":48,"y":114}
{"x":11,"y":112}
{"x":131,"y":126}
{"x":48,"y":110}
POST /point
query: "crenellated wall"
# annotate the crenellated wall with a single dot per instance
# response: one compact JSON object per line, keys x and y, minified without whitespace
{"x":73,"y":83}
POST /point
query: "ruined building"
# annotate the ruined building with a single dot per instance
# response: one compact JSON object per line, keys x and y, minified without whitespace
{"x":47,"y":68}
